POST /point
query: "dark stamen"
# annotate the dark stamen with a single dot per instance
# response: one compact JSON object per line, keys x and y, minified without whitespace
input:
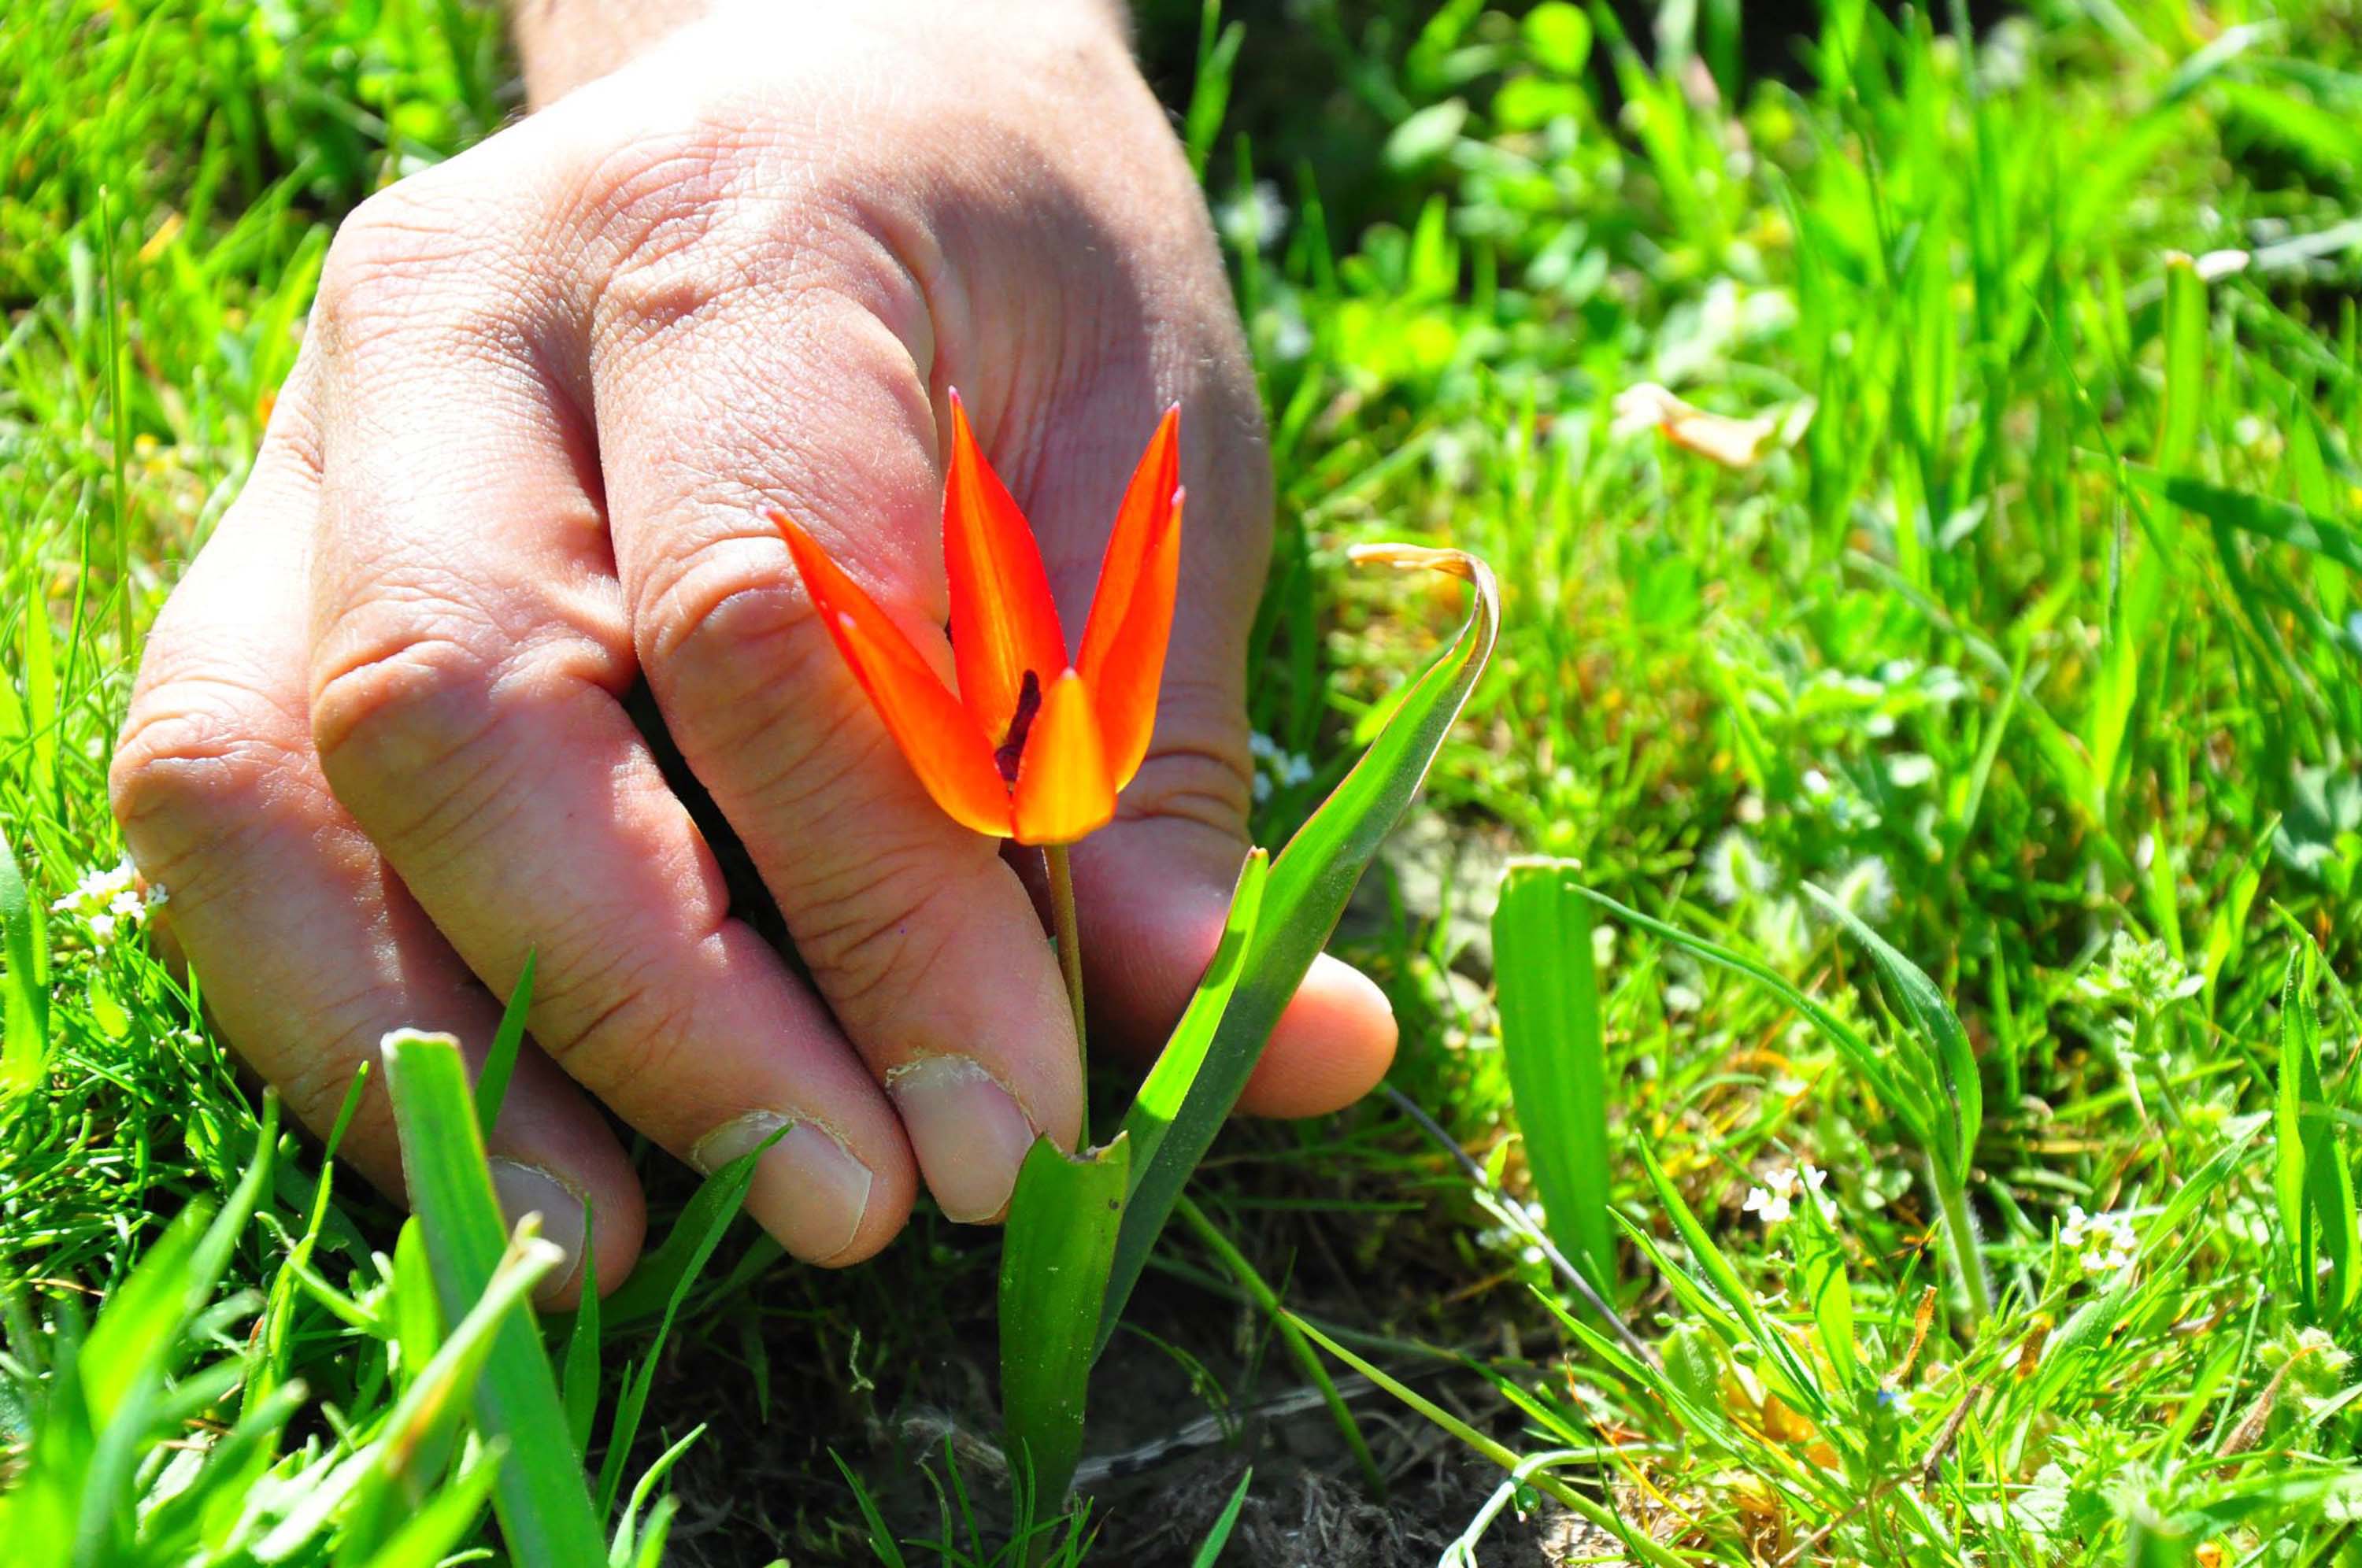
{"x":1028,"y":702}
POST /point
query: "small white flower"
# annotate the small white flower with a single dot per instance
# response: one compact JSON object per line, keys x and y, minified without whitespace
{"x":96,"y":890}
{"x":106,"y":901}
{"x":2103,"y":1244}
{"x":1775,"y":1200}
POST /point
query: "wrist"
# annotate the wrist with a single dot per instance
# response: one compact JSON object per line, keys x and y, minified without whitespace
{"x":564,"y":43}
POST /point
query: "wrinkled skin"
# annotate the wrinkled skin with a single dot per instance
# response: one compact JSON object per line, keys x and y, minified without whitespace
{"x":378,"y":747}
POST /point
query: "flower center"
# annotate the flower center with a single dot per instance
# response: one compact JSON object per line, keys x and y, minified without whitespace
{"x":1012,"y":746}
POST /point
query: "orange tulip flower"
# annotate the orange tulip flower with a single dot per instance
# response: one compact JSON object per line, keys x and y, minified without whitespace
{"x":1034,"y":745}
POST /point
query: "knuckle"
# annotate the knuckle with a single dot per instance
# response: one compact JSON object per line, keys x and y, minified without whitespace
{"x":202,"y":760}
{"x":411,"y":709}
{"x":440,"y":250}
{"x":725,"y":617}
{"x":737,"y":653}
{"x":393,"y":246}
{"x":690,"y":219}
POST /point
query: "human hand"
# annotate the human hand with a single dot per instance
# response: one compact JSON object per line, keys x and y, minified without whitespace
{"x":379,"y":750}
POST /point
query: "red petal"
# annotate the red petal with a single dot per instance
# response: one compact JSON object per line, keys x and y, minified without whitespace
{"x":1003,"y":620}
{"x":1132,"y":617}
{"x":1064,"y":791}
{"x":946,"y":749}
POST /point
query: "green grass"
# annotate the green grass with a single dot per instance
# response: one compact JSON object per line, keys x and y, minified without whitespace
{"x":2031,"y":637}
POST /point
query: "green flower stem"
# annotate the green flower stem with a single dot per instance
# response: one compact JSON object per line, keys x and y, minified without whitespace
{"x":1070,"y":943}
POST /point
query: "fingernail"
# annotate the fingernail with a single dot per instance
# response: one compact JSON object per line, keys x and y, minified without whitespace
{"x":808,"y":1191}
{"x":528,"y":1189}
{"x":968,"y":1133}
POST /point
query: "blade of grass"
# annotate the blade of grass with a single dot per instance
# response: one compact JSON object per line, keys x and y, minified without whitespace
{"x":881,"y":1540}
{"x":2312,"y":1182}
{"x":2185,"y":363}
{"x":2282,"y":521}
{"x":25,"y":1004}
{"x":500,"y":1062}
{"x":1794,"y":1382}
{"x":1902,"y":1101}
{"x":579,"y":1388}
{"x":267,"y":1361}
{"x":140,"y":1338}
{"x":43,"y":700}
{"x":1821,"y":1273}
{"x":371,"y":1486}
{"x":1516,"y":1218}
{"x":1549,"y":1000}
{"x":1209,"y":92}
{"x":428,"y":1537}
{"x":399,"y":1471}
{"x":1939,"y":1032}
{"x":1951,"y":1063}
{"x":213,"y":1255}
{"x":1300,"y":1349}
{"x":661,"y":1281}
{"x":675,"y":1268}
{"x":544,"y":1507}
{"x":1508,"y":1459}
{"x":630,"y":1543}
{"x":1209,"y":1550}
